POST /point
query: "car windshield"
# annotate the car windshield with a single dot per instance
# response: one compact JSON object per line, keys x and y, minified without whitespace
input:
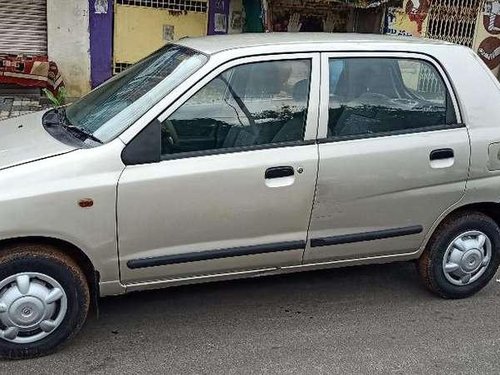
{"x":114,"y":106}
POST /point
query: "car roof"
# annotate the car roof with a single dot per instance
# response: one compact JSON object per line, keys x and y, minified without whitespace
{"x":218,"y":43}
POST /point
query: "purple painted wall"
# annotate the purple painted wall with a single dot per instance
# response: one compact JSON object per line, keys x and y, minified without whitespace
{"x":101,"y":40}
{"x":218,"y":16}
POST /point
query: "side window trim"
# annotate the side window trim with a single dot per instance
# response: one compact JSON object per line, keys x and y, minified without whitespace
{"x":324,"y":91}
{"x":426,"y":129}
{"x":232,"y":150}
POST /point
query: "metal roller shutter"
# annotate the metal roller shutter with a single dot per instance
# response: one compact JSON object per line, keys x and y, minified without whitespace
{"x":23,"y":26}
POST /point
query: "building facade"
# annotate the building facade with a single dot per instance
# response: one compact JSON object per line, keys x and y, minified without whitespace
{"x":90,"y":40}
{"x":473,"y":23}
{"x":42,"y":30}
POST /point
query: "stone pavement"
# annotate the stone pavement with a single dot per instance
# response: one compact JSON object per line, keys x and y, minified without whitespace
{"x":17,"y":105}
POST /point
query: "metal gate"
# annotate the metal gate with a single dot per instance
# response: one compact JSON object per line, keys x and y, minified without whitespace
{"x":453,"y":20}
{"x":23,"y":26}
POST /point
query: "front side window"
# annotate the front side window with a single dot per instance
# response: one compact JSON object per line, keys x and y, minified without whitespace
{"x":248,"y":105}
{"x":370,"y":96}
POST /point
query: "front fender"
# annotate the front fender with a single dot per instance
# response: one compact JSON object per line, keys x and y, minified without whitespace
{"x":40,"y":199}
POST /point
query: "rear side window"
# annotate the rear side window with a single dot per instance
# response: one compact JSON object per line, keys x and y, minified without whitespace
{"x":370,"y":96}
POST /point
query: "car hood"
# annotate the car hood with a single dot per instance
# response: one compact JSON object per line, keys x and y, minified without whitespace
{"x":24,"y":139}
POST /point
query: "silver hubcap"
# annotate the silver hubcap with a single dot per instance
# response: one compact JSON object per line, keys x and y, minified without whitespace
{"x":467,"y":258}
{"x":32,"y":306}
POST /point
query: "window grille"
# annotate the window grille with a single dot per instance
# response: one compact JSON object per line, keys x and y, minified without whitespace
{"x":120,"y":67}
{"x":453,"y":20}
{"x":429,"y":83}
{"x":175,"y":5}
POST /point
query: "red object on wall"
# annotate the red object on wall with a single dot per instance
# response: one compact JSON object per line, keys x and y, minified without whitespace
{"x":489,"y":52}
{"x":418,"y":12}
{"x":30,"y":71}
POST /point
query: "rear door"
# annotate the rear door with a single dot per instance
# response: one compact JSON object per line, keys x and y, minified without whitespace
{"x":394,"y":155}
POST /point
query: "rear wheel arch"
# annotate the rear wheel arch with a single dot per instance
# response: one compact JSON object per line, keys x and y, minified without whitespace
{"x":491,"y":209}
{"x":68,"y":249}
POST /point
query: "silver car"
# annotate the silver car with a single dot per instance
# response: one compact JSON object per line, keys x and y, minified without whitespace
{"x":237,"y":156}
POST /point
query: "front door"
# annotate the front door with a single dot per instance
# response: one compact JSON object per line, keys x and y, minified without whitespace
{"x":235,"y":186}
{"x":393,"y":156}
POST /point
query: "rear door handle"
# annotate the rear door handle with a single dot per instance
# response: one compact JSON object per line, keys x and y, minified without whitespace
{"x":441,"y":153}
{"x":278,"y":172}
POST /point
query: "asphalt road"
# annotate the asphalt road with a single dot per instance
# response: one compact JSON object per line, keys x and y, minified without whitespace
{"x":363,"y":320}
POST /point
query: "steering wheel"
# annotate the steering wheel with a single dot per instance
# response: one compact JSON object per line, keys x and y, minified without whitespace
{"x":408,"y":103}
{"x":171,"y":130}
{"x":374,"y":95}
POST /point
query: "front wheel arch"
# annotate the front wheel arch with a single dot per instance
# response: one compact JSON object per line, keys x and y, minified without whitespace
{"x":74,"y":252}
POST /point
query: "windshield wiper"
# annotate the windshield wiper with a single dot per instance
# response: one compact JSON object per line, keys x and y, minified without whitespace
{"x":82,"y":132}
{"x":64,"y":122}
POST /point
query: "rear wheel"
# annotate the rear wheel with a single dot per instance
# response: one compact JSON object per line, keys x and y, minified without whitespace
{"x":44,"y":300}
{"x":462,"y":256}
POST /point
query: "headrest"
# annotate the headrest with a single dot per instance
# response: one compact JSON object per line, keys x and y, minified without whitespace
{"x":301,"y":90}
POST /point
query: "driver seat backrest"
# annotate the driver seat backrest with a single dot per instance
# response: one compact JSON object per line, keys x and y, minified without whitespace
{"x":263,"y":84}
{"x":293,"y":129}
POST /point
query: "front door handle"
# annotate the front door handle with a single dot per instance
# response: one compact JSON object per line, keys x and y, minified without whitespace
{"x":279,"y":172}
{"x":441,"y":153}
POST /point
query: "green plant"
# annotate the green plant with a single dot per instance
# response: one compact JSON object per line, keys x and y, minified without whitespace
{"x":58,"y":99}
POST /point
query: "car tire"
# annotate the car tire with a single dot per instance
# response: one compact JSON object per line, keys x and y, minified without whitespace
{"x":44,"y":300}
{"x":454,"y":264}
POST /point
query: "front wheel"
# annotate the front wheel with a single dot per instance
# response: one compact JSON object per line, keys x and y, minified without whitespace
{"x":44,"y":300}
{"x":462,"y":256}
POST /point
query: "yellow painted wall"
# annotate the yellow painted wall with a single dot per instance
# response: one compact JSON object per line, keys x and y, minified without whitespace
{"x":138,"y":31}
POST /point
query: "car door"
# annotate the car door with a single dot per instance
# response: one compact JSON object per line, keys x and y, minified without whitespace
{"x":233,"y":190}
{"x":394,"y":155}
